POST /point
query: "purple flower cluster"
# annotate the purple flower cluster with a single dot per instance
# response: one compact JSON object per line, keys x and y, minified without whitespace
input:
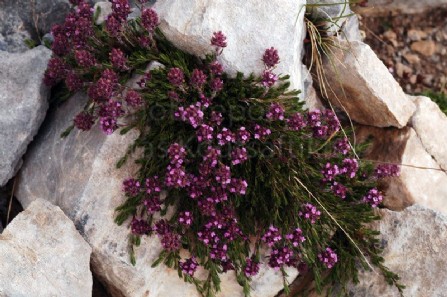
{"x":118,"y":59}
{"x":85,"y":59}
{"x":139,"y":227}
{"x":270,"y":57}
{"x":349,"y":167}
{"x":269,"y":78}
{"x":226,"y":136}
{"x":56,"y":71}
{"x":330,"y":171}
{"x":342,"y":146}
{"x":185,"y":218}
{"x":131,"y":187}
{"x":133,"y":98}
{"x":205,"y":133}
{"x":328,"y":258}
{"x":198,"y":78}
{"x":310,"y":212}
{"x":261,"y":132}
{"x":149,"y":19}
{"x":282,"y":256}
{"x":296,"y":122}
{"x":387,"y":170}
{"x":339,"y":190}
{"x":373,"y":197}
{"x":296,"y":237}
{"x":275,"y":113}
{"x":76,"y":30}
{"x":84,"y":121}
{"x":152,"y":204}
{"x":239,"y":155}
{"x":120,"y":9}
{"x":251,"y":267}
{"x":219,"y":40}
{"x":272,"y":236}
{"x":73,"y":82}
{"x":189,"y":266}
{"x":176,"y":76}
{"x":323,"y":124}
{"x":192,"y":114}
{"x":177,"y":154}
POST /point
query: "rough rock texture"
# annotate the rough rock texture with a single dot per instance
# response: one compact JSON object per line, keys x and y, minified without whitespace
{"x":350,"y":30}
{"x":25,"y":19}
{"x":249,"y":26}
{"x":332,"y":13}
{"x":12,"y":29}
{"x":105,"y":8}
{"x":430,"y":124}
{"x":42,"y":254}
{"x":414,"y":242}
{"x":311,"y":96}
{"x":384,"y":7}
{"x":23,"y":105}
{"x":363,"y":86}
{"x":80,"y":176}
{"x":421,"y":180}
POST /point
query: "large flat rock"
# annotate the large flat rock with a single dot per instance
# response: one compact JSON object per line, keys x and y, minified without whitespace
{"x":78,"y":174}
{"x":362,"y":86}
{"x":430,"y":124}
{"x":250,"y":27}
{"x":23,"y":105}
{"x":414,"y":242}
{"x":42,"y":254}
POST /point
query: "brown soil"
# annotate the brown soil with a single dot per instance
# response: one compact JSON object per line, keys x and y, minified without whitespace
{"x":413,"y":47}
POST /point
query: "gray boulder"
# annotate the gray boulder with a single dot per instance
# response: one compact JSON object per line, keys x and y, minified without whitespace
{"x":414,"y":241}
{"x":23,"y":105}
{"x":42,"y":254}
{"x":12,"y":29}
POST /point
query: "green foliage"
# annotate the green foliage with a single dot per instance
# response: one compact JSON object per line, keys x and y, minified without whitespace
{"x":30,"y":43}
{"x":439,"y":97}
{"x":284,"y":171}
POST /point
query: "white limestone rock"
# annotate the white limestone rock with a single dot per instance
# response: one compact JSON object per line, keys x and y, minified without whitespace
{"x":363,"y":87}
{"x":430,"y":124}
{"x":421,"y":179}
{"x":42,"y":254}
{"x":414,"y":242}
{"x":250,"y":27}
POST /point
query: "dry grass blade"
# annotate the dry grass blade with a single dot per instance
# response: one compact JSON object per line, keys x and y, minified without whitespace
{"x":338,"y":225}
{"x":10,"y":201}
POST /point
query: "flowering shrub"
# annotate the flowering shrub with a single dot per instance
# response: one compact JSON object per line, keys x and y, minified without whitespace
{"x":251,"y":177}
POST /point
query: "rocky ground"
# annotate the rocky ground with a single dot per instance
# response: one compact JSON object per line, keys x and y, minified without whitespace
{"x":412,"y":46}
{"x":81,"y":188}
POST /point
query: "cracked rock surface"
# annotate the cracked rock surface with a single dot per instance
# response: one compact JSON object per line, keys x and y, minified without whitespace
{"x":42,"y":254}
{"x":23,"y":105}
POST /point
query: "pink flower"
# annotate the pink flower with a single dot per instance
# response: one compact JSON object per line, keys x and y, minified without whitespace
{"x":270,"y":57}
{"x":149,"y":19}
{"x":219,"y":39}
